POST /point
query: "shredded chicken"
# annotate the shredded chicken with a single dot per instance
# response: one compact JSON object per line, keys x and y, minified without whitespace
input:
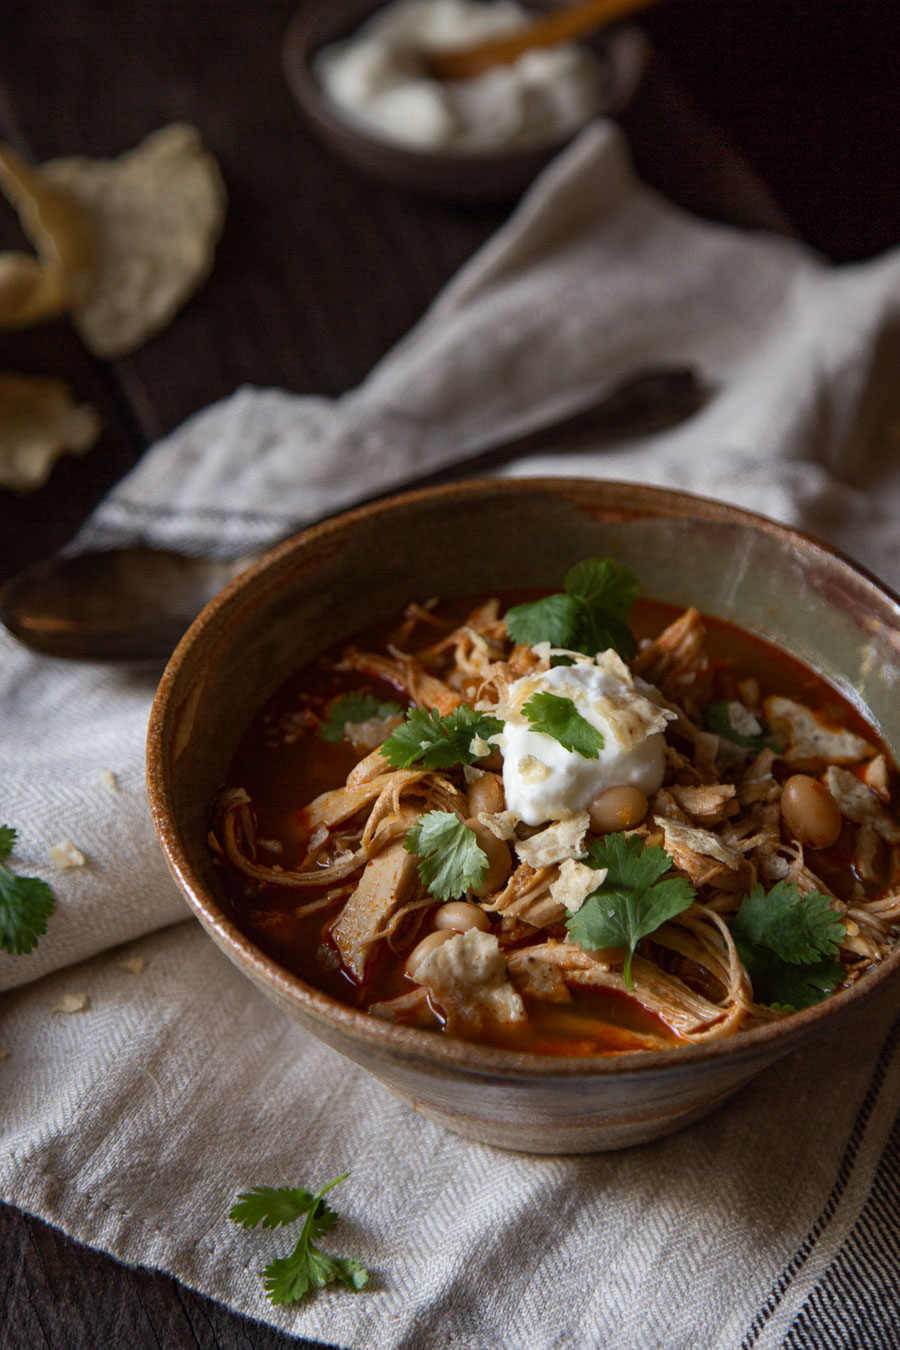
{"x":717,"y":814}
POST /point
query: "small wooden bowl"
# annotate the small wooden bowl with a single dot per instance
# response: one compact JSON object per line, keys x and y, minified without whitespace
{"x":454,"y":176}
{"x":338,"y":577}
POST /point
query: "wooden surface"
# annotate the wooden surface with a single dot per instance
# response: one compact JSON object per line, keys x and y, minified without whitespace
{"x":320,"y":271}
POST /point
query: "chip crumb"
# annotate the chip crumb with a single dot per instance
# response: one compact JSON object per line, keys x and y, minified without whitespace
{"x":39,"y":422}
{"x":109,"y":780}
{"x":4,"y":1054}
{"x":135,"y":965}
{"x":65,"y":855}
{"x":71,"y":1003}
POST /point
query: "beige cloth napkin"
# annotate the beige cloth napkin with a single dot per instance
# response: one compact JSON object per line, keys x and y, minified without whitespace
{"x":133,"y":1123}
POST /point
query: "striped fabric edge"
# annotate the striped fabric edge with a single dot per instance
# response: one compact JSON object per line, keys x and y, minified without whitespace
{"x":887,"y":1171}
{"x":856,"y":1305}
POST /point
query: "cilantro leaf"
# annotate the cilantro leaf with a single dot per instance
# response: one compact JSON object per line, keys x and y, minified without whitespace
{"x":788,"y":987}
{"x":633,"y":900}
{"x":451,"y":860}
{"x":718,"y":719}
{"x":353,"y":707}
{"x":288,"y":1279}
{"x":271,"y":1206}
{"x":604,"y":584}
{"x":591,"y":616}
{"x":785,"y":941}
{"x":800,"y":929}
{"x":26,"y":903}
{"x":553,"y":619}
{"x":558,"y":717}
{"x":439,"y":742}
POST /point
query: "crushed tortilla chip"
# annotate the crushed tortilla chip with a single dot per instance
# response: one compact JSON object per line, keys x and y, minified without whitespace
{"x":109,"y":780}
{"x":65,"y":855}
{"x":134,"y":965}
{"x":859,"y":803}
{"x":563,"y":839}
{"x":127,"y":240}
{"x":679,"y":837}
{"x":71,"y":1003}
{"x":39,"y":422}
{"x":575,"y":882}
{"x":809,"y":740}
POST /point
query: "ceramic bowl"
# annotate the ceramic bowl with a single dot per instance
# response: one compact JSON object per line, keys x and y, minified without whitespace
{"x":490,"y":176}
{"x":483,"y":536}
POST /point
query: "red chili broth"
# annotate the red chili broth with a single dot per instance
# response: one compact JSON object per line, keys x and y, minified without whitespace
{"x":283,"y":764}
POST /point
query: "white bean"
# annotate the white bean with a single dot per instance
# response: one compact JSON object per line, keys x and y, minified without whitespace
{"x":459,"y":916}
{"x":810,"y":812}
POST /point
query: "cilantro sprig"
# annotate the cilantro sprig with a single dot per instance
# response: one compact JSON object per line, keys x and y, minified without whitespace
{"x":288,"y":1279}
{"x":451,"y":859}
{"x":353,"y":707}
{"x":558,"y":717}
{"x":26,"y":903}
{"x":590,"y":615}
{"x":787,"y":943}
{"x":439,"y":742}
{"x":632,"y":901}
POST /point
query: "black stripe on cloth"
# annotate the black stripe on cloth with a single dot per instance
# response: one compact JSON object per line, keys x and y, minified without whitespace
{"x":856,"y":1305}
{"x":845,"y":1170}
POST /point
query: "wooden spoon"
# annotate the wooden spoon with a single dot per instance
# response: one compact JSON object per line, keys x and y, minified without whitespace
{"x":462,"y":63}
{"x":133,"y":604}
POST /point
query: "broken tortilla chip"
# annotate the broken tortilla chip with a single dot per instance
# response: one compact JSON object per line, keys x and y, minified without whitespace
{"x":36,"y":288}
{"x":127,"y":240}
{"x":29,"y":290}
{"x":39,"y":422}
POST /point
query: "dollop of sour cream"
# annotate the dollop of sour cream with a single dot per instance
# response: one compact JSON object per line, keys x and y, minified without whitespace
{"x":545,"y":781}
{"x":376,"y":79}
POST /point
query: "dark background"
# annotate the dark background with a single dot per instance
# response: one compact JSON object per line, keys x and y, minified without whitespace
{"x":320,"y":271}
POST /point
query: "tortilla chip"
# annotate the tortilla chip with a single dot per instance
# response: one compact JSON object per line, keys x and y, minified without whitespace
{"x":39,"y":422}
{"x":37,"y":288}
{"x":71,"y":1003}
{"x":29,"y":290}
{"x":130,"y":239}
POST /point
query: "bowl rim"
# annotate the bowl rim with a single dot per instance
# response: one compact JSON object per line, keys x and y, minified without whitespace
{"x":422,"y":1049}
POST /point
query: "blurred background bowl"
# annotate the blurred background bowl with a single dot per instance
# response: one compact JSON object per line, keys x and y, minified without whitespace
{"x":482,"y":537}
{"x":452,"y":175}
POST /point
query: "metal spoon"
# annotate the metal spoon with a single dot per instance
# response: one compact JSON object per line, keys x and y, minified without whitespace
{"x":133,"y":604}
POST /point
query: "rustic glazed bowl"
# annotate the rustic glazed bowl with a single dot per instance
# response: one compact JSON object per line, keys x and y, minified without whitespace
{"x":349,"y":572}
{"x":454,"y":176}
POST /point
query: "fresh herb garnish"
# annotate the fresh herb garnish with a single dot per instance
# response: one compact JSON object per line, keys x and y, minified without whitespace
{"x":288,"y":1279}
{"x":451,"y":860}
{"x":439,"y":742}
{"x":26,"y":903}
{"x":591,"y":616}
{"x":353,"y":707}
{"x":558,"y":717}
{"x":632,"y":901}
{"x":718,"y":719}
{"x":785,"y":941}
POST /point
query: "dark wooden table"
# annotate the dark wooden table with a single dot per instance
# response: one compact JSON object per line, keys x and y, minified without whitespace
{"x":320,"y":271}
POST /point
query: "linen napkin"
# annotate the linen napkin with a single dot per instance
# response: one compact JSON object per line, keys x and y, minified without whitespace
{"x":133,"y":1123}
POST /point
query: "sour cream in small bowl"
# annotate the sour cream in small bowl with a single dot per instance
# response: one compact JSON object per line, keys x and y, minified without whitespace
{"x":357,"y":72}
